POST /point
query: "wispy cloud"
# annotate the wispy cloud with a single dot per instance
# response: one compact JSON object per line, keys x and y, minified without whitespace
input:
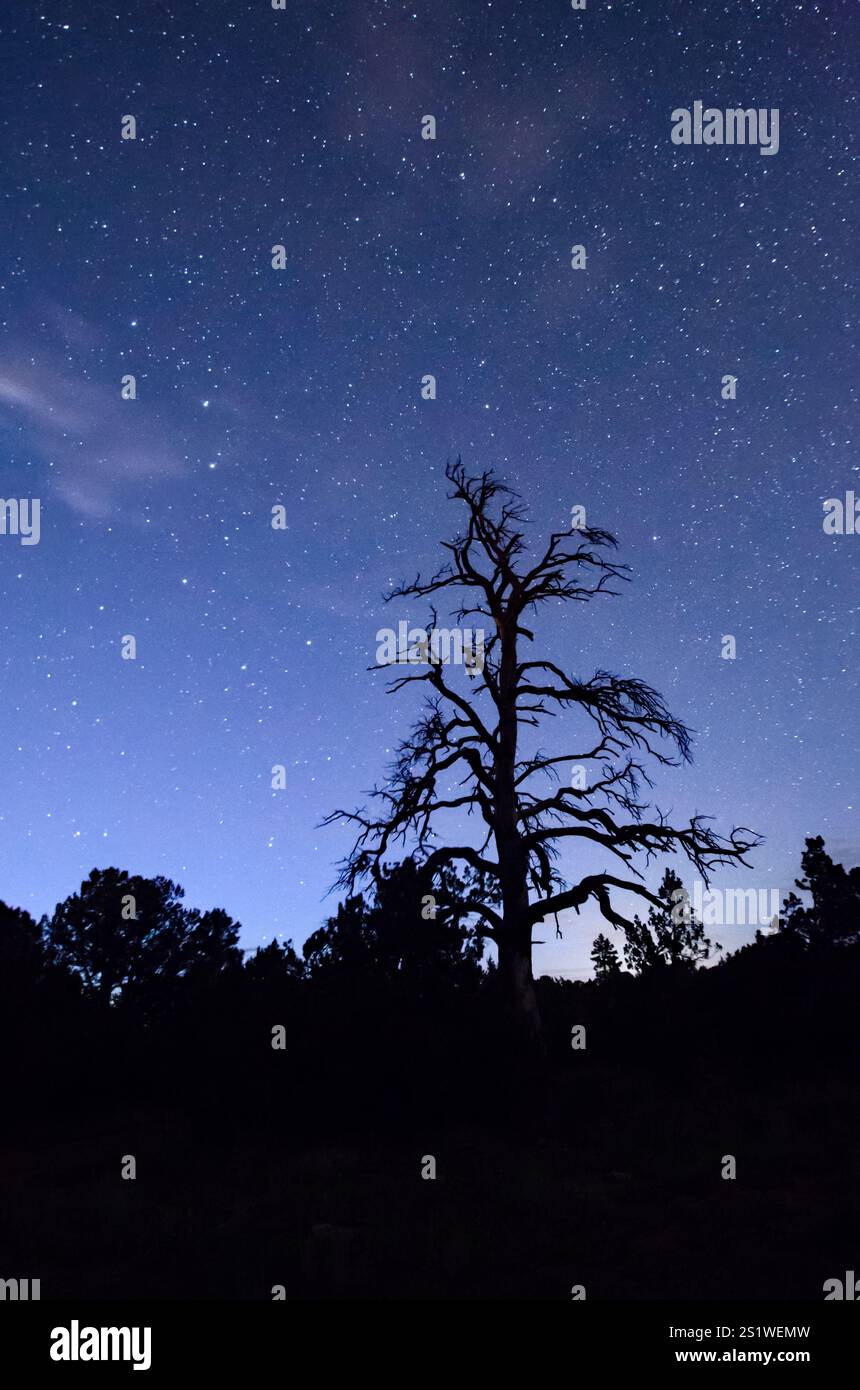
{"x":96,"y":443}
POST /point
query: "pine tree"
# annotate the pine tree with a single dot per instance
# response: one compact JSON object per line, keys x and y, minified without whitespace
{"x":605,"y":958}
{"x":833,"y":917}
{"x":672,"y":937}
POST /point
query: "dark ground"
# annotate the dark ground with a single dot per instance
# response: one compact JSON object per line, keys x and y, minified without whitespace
{"x":627,"y":1200}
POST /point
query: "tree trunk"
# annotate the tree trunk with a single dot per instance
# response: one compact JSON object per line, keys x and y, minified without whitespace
{"x":515,"y":939}
{"x":515,"y":970}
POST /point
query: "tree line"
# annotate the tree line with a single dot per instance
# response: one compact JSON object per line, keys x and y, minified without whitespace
{"x":388,"y":1015}
{"x":124,"y":940}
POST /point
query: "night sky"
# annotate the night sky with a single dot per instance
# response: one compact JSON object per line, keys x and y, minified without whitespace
{"x":301,"y":387}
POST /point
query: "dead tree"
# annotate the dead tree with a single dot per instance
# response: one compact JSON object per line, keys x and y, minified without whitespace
{"x":528,"y":815}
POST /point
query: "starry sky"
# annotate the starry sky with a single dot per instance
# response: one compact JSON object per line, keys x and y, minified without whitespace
{"x":301,"y":387}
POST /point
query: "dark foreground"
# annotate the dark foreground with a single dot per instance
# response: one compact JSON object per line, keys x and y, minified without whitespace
{"x":302,"y":1168}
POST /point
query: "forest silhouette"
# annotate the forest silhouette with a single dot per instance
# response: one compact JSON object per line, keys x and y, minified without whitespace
{"x":279,"y":1104}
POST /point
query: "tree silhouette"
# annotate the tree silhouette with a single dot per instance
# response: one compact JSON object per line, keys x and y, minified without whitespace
{"x":605,"y":958}
{"x":527,"y":818}
{"x":405,"y":931}
{"x":671,"y":937}
{"x":833,"y":917}
{"x":21,"y":950}
{"x":123,"y":935}
{"x":274,"y":964}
